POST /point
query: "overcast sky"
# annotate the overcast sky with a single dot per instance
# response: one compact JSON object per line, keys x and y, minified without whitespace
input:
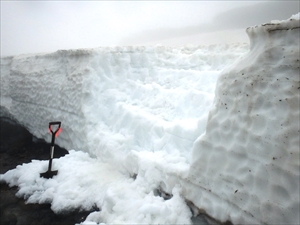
{"x":47,"y":26}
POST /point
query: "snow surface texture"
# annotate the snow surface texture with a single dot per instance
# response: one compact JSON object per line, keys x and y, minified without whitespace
{"x":86,"y":183}
{"x":113,"y":100}
{"x":140,"y":110}
{"x":247,"y":162}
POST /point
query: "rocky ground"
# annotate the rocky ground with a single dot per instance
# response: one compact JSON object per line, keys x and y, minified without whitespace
{"x":17,"y":147}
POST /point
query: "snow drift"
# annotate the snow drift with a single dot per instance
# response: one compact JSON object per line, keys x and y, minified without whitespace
{"x":150,"y":105}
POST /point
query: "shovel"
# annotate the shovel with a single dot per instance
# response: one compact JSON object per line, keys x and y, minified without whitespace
{"x":49,"y":174}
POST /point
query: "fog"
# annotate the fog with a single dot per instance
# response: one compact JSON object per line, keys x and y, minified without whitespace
{"x":45,"y":26}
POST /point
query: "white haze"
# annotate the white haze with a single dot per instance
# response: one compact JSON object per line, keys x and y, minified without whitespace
{"x":46,"y":26}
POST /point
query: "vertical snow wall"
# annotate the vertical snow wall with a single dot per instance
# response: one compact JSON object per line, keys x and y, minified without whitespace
{"x":246,"y":166}
{"x":113,"y":100}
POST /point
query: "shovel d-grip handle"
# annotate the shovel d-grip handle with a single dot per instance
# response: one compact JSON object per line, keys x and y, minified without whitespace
{"x":56,"y":132}
{"x":57,"y":129}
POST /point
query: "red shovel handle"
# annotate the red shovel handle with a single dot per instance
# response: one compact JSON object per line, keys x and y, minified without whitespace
{"x":58,"y":129}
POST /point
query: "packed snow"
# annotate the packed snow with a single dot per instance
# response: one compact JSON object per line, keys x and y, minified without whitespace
{"x":113,"y":100}
{"x":249,"y":155}
{"x":157,"y":134}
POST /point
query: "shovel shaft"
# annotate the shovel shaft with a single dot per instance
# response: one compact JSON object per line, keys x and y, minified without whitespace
{"x":50,"y":165}
{"x":51,"y":157}
{"x":51,"y":152}
{"x":53,"y":139}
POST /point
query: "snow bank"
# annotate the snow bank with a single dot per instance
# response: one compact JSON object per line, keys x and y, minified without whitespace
{"x":246,"y":165}
{"x":113,"y":100}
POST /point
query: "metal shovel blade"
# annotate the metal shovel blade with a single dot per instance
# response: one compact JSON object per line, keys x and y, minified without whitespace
{"x":49,"y":174}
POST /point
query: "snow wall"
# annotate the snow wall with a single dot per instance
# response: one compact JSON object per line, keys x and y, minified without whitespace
{"x":113,"y":100}
{"x":245,"y":160}
{"x":246,"y":166}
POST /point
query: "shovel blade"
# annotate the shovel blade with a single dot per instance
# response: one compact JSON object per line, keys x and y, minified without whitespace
{"x":49,"y":174}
